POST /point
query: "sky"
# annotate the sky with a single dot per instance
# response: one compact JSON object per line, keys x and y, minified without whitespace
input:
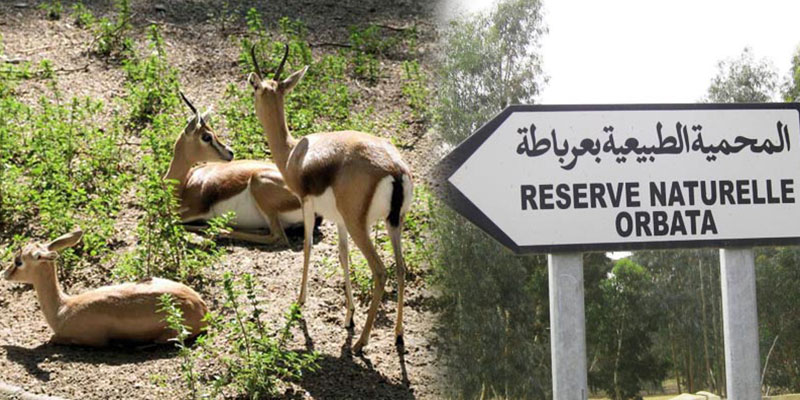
{"x":634,"y":51}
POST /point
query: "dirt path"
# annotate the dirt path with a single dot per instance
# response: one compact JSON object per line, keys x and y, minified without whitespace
{"x":205,"y":55}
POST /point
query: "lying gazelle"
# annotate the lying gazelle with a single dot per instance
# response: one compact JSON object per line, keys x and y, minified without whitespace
{"x":254,"y":190}
{"x":351,"y":178}
{"x":128,"y":311}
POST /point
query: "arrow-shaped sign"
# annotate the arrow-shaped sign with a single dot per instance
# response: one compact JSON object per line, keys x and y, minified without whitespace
{"x":544,"y":178}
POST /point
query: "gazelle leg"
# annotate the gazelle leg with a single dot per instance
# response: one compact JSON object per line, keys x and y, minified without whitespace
{"x":344,"y":260}
{"x":249,"y":237}
{"x":308,"y":241}
{"x":395,"y":234}
{"x":361,"y":238}
{"x":265,"y":191}
{"x":276,"y":229}
{"x":236,"y":235}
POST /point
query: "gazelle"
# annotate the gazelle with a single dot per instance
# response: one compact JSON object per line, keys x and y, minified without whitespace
{"x":128,"y":311}
{"x":349,"y":177}
{"x":254,"y":190}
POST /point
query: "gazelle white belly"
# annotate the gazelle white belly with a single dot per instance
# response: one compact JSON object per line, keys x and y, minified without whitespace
{"x":379,"y":207}
{"x":325,"y":205}
{"x":289,"y":218}
{"x":244,"y":205}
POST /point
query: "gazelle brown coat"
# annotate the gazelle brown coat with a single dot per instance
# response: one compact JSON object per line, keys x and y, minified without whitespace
{"x":128,"y":311}
{"x":351,"y":178}
{"x":210,"y":185}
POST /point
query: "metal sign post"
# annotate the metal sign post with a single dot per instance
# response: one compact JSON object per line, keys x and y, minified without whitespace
{"x":567,"y":326}
{"x":740,"y":323}
{"x":550,"y":179}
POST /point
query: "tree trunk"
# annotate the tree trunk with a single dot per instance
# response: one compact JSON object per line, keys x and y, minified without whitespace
{"x":674,"y":358}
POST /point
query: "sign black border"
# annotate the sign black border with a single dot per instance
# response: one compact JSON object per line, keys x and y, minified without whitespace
{"x":453,"y":197}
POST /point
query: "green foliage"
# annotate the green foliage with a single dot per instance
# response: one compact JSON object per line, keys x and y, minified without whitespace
{"x":10,"y":73}
{"x":113,"y":36}
{"x":627,"y":316}
{"x":777,"y":280}
{"x":494,"y":318}
{"x":743,"y":80}
{"x":52,"y":9}
{"x":365,"y":46}
{"x":173,"y":316}
{"x":415,"y":89}
{"x":791,"y":91}
{"x":489,"y":61}
{"x":46,"y":69}
{"x":59,"y":170}
{"x":494,"y":309}
{"x":152,"y":84}
{"x":257,"y":360}
{"x":689,"y":297}
{"x":82,"y":15}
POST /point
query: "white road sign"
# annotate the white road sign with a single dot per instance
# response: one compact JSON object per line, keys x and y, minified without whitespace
{"x":615,"y":177}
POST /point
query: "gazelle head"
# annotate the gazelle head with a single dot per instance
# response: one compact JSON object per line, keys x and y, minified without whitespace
{"x":36,"y":259}
{"x":198,"y":142}
{"x":271,"y":92}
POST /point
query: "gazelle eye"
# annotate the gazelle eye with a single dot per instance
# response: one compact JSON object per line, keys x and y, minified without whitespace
{"x":206,"y":138}
{"x":17,"y":262}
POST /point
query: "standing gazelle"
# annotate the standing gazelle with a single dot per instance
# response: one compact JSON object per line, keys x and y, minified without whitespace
{"x":254,"y":190}
{"x":351,"y":178}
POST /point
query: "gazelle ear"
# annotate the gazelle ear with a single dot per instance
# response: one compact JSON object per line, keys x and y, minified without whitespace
{"x":64,"y":241}
{"x":289,"y":83}
{"x":253,"y":80}
{"x":205,"y":117}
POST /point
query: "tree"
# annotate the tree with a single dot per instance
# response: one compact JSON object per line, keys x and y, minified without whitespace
{"x":494,"y":311}
{"x":689,"y":337}
{"x":491,"y":61}
{"x":777,"y":287}
{"x":743,"y":80}
{"x":791,"y":92}
{"x":628,"y":318}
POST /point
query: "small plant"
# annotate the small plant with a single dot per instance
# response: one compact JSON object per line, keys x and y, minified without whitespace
{"x":113,"y":35}
{"x":82,"y":15}
{"x":152,"y":83}
{"x":415,"y":89}
{"x":258,"y":359}
{"x":365,"y":46}
{"x":46,"y":69}
{"x":226,"y":16}
{"x":173,"y":316}
{"x":52,"y":9}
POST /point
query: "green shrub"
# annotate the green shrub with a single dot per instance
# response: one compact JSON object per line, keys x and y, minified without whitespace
{"x":152,"y":83}
{"x":113,"y":36}
{"x":175,"y":321}
{"x":257,"y":360}
{"x":59,"y":170}
{"x":52,"y":9}
{"x":82,"y":15}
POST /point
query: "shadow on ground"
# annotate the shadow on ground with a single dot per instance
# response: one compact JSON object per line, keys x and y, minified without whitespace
{"x":360,"y":379}
{"x":32,"y":358}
